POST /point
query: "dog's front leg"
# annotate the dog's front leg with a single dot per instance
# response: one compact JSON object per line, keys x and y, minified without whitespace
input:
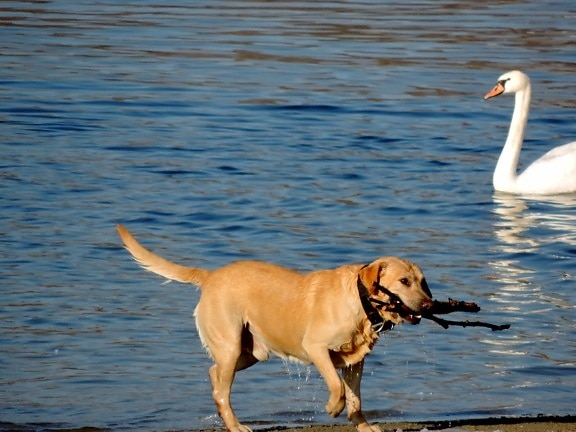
{"x":352,"y":378}
{"x":320,"y":356}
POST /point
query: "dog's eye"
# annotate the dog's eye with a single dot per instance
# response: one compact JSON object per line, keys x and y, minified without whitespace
{"x":405,"y":282}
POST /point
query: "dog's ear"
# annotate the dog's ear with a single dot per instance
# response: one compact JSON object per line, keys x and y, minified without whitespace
{"x":370,"y":274}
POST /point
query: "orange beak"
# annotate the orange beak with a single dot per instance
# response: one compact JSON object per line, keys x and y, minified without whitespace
{"x":497,"y":90}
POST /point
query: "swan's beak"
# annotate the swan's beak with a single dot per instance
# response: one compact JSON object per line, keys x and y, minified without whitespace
{"x":497,"y":90}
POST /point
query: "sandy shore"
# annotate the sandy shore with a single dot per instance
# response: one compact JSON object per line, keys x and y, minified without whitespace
{"x":523,"y":424}
{"x":501,"y":424}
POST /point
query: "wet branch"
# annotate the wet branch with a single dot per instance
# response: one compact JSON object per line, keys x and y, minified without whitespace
{"x":447,"y":323}
{"x":446,"y":307}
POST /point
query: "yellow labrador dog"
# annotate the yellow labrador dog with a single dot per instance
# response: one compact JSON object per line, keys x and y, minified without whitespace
{"x":331,"y":318}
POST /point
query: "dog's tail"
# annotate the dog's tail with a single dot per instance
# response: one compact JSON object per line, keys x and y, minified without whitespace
{"x":156,"y":264}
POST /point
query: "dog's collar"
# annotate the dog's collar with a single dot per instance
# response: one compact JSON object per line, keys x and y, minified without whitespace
{"x":379,"y":324}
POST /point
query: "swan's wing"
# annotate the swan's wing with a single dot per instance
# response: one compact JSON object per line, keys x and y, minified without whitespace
{"x":566,"y":150}
{"x":555,"y":172}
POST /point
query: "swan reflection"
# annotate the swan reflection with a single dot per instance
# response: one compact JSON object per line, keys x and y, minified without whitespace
{"x":535,"y":245}
{"x":524,"y":225}
{"x":530,"y":231}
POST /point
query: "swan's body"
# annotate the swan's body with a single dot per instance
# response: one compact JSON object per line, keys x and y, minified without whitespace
{"x":553,"y":173}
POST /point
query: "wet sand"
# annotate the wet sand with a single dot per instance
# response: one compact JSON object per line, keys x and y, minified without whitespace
{"x":500,"y":424}
{"x":503,"y":424}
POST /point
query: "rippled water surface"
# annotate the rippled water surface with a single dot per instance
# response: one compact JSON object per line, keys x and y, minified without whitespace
{"x":309,"y":134}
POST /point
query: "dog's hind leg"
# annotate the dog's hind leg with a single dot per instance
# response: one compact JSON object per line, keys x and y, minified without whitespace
{"x":352,"y":376}
{"x":228,"y":358}
{"x":228,"y":362}
{"x":224,"y":343}
{"x":221,"y":376}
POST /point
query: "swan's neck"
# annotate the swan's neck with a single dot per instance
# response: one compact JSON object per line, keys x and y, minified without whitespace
{"x":505,"y":173}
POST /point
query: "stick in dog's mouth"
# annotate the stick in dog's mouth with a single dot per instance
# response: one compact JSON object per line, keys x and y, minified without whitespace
{"x":396,"y":305}
{"x":438,"y":308}
{"x":407,"y":314}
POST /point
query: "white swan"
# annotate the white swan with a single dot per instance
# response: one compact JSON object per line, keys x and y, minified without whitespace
{"x":553,"y":173}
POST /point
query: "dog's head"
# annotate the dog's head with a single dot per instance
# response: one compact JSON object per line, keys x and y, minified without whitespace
{"x":399,"y":287}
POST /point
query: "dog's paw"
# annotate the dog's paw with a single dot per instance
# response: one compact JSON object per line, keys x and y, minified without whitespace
{"x":334,"y":408}
{"x":239,"y":428}
{"x":365,"y":427}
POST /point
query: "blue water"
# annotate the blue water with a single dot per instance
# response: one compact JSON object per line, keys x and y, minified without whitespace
{"x":305,"y":134}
